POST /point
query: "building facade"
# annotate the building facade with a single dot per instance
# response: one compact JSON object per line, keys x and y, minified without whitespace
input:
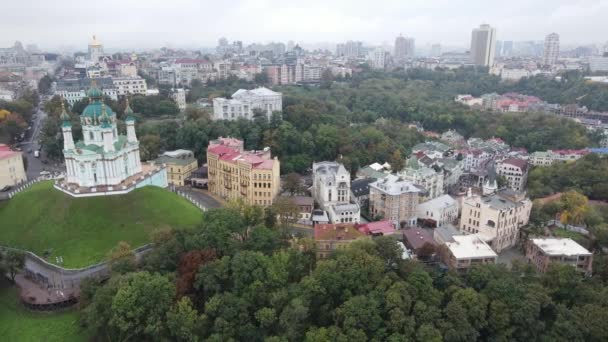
{"x":129,"y":85}
{"x":495,"y":216}
{"x":443,"y":210}
{"x":551,"y":51}
{"x":331,"y":190}
{"x":253,"y":176}
{"x":74,"y":90}
{"x":426,"y":177}
{"x":377,"y":58}
{"x":515,"y":171}
{"x":483,"y":44}
{"x":394,"y":199}
{"x":404,"y":48}
{"x":180,"y":164}
{"x":12,"y":171}
{"x":103,"y":158}
{"x":542,"y":252}
{"x":332,"y":237}
{"x":245,"y":102}
{"x":466,"y":251}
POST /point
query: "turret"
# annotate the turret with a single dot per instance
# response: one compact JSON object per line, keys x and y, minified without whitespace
{"x":66,"y":129}
{"x":130,"y":121}
{"x":490,"y":186}
{"x":107,"y":132}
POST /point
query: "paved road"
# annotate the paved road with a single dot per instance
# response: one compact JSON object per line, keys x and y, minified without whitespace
{"x":36,"y":165}
{"x":202,"y":197}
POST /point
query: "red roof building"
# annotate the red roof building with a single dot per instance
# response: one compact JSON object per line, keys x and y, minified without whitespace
{"x":380,"y":228}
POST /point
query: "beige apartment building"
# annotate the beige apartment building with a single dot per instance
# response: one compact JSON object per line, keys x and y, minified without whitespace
{"x":253,"y":176}
{"x":496,"y":217}
{"x":12,"y":171}
{"x":466,"y":251}
{"x":394,"y":199}
{"x":180,"y":164}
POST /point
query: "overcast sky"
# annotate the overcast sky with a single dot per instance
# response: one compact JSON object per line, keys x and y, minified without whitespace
{"x":138,"y":24}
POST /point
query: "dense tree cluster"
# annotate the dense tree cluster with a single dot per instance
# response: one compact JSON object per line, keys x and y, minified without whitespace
{"x":234,"y":279}
{"x":587,"y":175}
{"x":359,"y":120}
{"x":14,"y":115}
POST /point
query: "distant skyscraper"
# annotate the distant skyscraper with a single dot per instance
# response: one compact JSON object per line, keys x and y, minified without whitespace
{"x":436,"y":50}
{"x":483,"y":44}
{"x":351,"y":49}
{"x":404,"y":48}
{"x":290,"y":45}
{"x":507,"y":48}
{"x":377,"y":58}
{"x":551,"y":51}
{"x":498,"y":48}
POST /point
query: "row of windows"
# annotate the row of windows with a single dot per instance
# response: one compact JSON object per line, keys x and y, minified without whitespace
{"x":261,"y":185}
{"x":262,"y":193}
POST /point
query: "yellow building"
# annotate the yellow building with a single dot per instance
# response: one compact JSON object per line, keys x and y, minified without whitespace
{"x":180,"y":165}
{"x":12,"y":171}
{"x":253,"y":176}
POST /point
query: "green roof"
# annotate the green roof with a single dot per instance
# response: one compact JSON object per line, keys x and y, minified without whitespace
{"x":94,"y":92}
{"x":94,"y":110}
{"x":176,"y":161}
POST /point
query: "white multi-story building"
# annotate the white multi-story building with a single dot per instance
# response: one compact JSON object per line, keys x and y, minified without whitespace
{"x":130,"y":85}
{"x":74,"y":90}
{"x":245,"y":102}
{"x":598,"y":63}
{"x":394,"y":199}
{"x":548,"y":158}
{"x":331,"y":190}
{"x":179,"y":96}
{"x":483,"y":44}
{"x":443,"y":210}
{"x":377,"y":58}
{"x":515,"y":171}
{"x":551,"y":51}
{"x":423,"y":176}
{"x":312,"y":73}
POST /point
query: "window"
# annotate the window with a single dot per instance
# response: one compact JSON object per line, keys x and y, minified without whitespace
{"x":91,"y":136}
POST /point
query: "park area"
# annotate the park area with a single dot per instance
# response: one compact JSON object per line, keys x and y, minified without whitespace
{"x":82,"y":231}
{"x":18,"y":324}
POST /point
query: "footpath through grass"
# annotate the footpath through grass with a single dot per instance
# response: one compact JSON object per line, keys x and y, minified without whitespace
{"x":19,"y":324}
{"x":84,"y":230}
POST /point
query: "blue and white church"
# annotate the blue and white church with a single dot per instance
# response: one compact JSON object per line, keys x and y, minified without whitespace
{"x":104,"y":161}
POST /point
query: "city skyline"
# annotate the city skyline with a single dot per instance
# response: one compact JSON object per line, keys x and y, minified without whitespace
{"x":191,"y":24}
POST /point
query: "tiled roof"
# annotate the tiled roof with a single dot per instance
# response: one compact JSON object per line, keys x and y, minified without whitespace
{"x":384,"y":227}
{"x":343,"y":232}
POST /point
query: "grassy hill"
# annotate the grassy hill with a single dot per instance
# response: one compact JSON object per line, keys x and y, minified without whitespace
{"x":83,"y":230}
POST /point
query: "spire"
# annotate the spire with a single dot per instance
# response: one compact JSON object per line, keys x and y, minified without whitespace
{"x":129,"y":111}
{"x":104,"y":118}
{"x":490,"y":186}
{"x":64,"y":115}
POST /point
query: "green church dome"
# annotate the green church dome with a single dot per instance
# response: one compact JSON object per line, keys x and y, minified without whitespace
{"x":94,"y":92}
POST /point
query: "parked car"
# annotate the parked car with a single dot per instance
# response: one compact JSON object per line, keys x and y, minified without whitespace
{"x":6,"y":188}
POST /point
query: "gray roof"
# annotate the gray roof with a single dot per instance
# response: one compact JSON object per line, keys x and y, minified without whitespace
{"x":360,"y":187}
{"x":394,"y":185}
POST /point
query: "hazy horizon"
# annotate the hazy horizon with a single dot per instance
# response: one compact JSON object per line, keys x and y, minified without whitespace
{"x":198,"y":24}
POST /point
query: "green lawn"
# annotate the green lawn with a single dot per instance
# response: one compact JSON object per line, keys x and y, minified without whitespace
{"x":19,"y":324}
{"x":83,"y":230}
